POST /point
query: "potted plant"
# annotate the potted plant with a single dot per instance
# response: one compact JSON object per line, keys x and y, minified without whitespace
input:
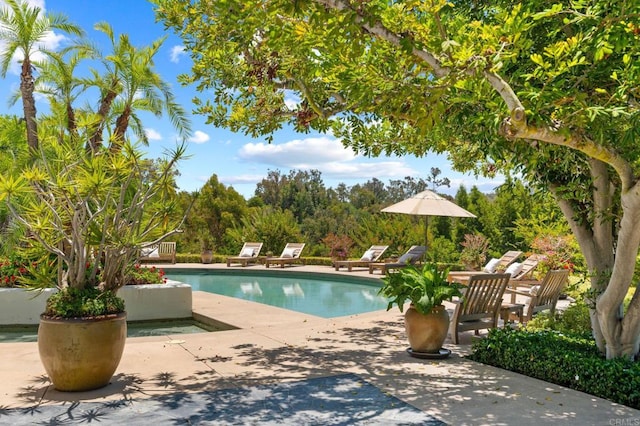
{"x":474,"y":251}
{"x":92,"y":211}
{"x":206,"y":255}
{"x":426,"y":320}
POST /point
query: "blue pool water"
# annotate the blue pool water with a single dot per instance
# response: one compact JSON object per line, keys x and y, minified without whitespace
{"x":29,"y":333}
{"x":313,"y":294}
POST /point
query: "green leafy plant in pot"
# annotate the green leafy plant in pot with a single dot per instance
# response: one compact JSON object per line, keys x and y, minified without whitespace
{"x":92,"y":210}
{"x":426,"y":288}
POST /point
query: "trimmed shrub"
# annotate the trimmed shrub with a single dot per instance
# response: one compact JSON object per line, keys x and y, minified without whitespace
{"x":568,"y":360}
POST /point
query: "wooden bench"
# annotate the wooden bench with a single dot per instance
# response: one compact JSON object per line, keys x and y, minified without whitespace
{"x":165,"y":251}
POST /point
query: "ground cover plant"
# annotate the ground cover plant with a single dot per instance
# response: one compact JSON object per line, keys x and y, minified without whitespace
{"x":566,"y":359}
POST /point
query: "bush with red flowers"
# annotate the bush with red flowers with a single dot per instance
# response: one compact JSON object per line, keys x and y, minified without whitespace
{"x":143,"y":275}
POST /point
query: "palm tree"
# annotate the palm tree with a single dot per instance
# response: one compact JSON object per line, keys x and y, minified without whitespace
{"x":57,"y":81}
{"x":130,"y":85}
{"x":23,"y":28}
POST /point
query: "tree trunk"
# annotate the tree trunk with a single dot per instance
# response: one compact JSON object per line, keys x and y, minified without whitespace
{"x":621,"y":330}
{"x":610,"y":264}
{"x":95,"y":141}
{"x":29,"y":104}
{"x":122,"y":123}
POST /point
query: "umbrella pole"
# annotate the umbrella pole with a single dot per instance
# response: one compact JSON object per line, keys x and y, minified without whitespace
{"x":426,"y":233}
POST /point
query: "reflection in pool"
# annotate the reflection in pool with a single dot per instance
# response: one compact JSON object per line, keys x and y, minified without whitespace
{"x":314,"y":294}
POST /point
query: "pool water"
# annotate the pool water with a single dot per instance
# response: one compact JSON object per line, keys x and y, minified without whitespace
{"x":313,"y":294}
{"x":134,"y":329}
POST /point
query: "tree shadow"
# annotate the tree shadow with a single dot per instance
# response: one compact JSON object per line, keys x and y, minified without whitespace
{"x":348,"y":371}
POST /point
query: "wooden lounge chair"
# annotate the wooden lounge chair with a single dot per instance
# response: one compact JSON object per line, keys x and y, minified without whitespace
{"x":248,"y":254}
{"x":479,"y":307}
{"x":372,"y":255}
{"x":544,"y":295}
{"x":411,"y":257}
{"x":164,"y":251}
{"x":492,"y":267}
{"x":289,"y":255}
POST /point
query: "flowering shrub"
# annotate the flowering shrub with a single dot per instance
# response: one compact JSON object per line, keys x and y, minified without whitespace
{"x":143,"y":275}
{"x":339,"y":245}
{"x":557,"y":252}
{"x":14,"y":271}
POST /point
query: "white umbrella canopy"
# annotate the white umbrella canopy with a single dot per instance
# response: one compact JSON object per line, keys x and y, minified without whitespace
{"x":428,"y":203}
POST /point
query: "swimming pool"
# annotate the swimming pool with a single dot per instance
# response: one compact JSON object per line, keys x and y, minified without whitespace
{"x":29,"y":333}
{"x":314,"y":294}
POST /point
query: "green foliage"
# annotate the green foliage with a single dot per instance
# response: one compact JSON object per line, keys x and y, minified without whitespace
{"x":107,"y":204}
{"x":542,"y":90}
{"x":216,"y":209}
{"x":83,"y":302}
{"x":575,"y":319}
{"x":424,"y":288}
{"x":442,"y":250}
{"x":274,"y":228}
{"x":561,"y":358}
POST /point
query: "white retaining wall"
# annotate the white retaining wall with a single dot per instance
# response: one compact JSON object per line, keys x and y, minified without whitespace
{"x":142,"y":302}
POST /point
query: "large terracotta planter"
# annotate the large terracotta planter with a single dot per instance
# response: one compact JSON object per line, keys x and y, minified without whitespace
{"x":206,"y":256}
{"x":426,"y":332}
{"x":81,"y":354}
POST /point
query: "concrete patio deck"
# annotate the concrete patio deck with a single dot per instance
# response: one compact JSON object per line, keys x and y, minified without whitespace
{"x":272,"y":346}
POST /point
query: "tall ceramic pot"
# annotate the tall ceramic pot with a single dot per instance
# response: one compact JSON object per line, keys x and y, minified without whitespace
{"x":81,"y":354}
{"x":426,"y":332}
{"x":206,"y":256}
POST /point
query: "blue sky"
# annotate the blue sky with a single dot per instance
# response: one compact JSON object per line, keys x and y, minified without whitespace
{"x":238,"y":160}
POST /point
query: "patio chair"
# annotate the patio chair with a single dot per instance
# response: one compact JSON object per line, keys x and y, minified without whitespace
{"x":544,"y":295}
{"x":372,"y":255}
{"x":411,"y":257}
{"x":479,"y":307}
{"x":248,"y":254}
{"x":289,"y":255}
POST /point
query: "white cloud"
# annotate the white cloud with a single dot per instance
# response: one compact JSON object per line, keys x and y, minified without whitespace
{"x":50,"y":41}
{"x":298,"y":153}
{"x":153,"y":135}
{"x":291,"y":100}
{"x":241,"y":179}
{"x":177,"y":52}
{"x":327,"y":155}
{"x":38,"y":3}
{"x":199,"y":137}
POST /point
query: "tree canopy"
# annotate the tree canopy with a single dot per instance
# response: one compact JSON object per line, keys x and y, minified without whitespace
{"x":548,"y":89}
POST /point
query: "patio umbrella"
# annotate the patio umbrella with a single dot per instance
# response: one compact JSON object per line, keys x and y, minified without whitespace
{"x":428,"y":203}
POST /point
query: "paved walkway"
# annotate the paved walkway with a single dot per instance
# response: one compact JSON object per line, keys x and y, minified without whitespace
{"x":282,"y":367}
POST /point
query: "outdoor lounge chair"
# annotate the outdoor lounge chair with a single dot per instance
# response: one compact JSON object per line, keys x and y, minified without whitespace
{"x":161,"y":252}
{"x":521,"y":273}
{"x":493,"y":266}
{"x":289,"y":255}
{"x":544,"y":295}
{"x":411,"y":257}
{"x":249,"y":254}
{"x":479,"y":307}
{"x":372,"y":255}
